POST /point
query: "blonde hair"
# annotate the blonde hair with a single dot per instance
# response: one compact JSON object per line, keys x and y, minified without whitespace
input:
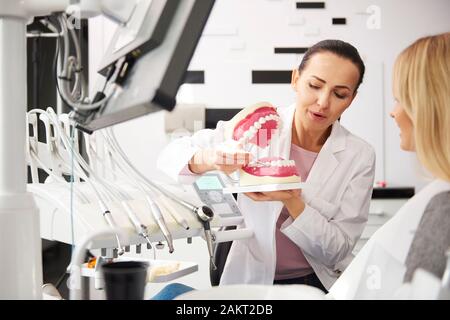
{"x":421,"y":76}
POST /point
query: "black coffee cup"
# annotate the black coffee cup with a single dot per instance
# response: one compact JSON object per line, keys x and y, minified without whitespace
{"x":125,"y":280}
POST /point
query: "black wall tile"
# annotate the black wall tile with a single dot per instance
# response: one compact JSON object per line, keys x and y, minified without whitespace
{"x":271,"y":76}
{"x":297,"y":50}
{"x":339,"y":21}
{"x":212,"y":116}
{"x":310,"y":5}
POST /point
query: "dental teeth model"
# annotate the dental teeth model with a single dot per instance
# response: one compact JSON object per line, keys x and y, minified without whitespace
{"x":256,"y":125}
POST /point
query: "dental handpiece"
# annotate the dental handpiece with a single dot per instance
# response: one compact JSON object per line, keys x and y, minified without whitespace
{"x":109,"y":219}
{"x":140,"y":228}
{"x":157,"y":214}
{"x":205,"y":215}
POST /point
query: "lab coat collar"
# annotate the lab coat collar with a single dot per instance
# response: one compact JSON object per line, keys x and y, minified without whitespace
{"x":323,"y":167}
{"x":326,"y":161}
{"x":337,"y":137}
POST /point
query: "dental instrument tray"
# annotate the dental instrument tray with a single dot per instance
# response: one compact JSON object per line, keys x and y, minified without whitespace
{"x":158,"y":271}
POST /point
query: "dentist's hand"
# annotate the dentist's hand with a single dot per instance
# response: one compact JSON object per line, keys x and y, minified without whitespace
{"x":290,"y":198}
{"x":216,"y":159}
{"x":284,"y":195}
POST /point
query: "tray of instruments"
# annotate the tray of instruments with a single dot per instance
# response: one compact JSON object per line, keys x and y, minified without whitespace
{"x":159,"y":271}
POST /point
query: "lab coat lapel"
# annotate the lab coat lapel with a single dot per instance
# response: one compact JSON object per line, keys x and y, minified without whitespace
{"x":326,"y":161}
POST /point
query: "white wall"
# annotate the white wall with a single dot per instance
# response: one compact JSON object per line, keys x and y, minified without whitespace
{"x":240,"y":36}
{"x":255,"y":27}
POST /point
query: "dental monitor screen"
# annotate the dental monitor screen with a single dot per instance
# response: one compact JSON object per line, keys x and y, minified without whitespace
{"x":209,"y":182}
{"x":146,"y":61}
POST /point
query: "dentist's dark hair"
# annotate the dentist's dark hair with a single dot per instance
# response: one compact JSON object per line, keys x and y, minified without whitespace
{"x":341,"y":49}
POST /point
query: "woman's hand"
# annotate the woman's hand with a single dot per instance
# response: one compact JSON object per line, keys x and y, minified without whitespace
{"x":216,"y":159}
{"x":284,"y":195}
{"x":290,"y":198}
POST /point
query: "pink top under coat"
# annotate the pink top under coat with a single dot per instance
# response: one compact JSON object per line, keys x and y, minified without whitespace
{"x":291,"y":263}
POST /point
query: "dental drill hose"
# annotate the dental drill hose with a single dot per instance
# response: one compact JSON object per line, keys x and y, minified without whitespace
{"x":154,"y":208}
{"x":112,"y":139}
{"x":203,"y":213}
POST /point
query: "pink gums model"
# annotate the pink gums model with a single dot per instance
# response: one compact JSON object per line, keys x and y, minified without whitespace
{"x":256,"y":127}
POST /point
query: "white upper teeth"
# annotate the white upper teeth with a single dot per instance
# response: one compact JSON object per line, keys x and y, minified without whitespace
{"x":256,"y":126}
{"x":275,"y":163}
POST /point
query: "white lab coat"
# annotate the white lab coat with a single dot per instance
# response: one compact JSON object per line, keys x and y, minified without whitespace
{"x":337,"y":205}
{"x":377,"y":271}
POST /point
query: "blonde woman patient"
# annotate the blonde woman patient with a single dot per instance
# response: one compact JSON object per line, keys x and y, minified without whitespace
{"x":418,"y":236}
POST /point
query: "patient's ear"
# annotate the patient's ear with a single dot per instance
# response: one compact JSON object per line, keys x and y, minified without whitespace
{"x":294,"y":78}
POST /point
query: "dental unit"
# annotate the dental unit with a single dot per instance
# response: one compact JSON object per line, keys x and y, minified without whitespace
{"x":128,"y":197}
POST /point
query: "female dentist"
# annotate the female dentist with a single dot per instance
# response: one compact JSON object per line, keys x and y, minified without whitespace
{"x":302,"y":237}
